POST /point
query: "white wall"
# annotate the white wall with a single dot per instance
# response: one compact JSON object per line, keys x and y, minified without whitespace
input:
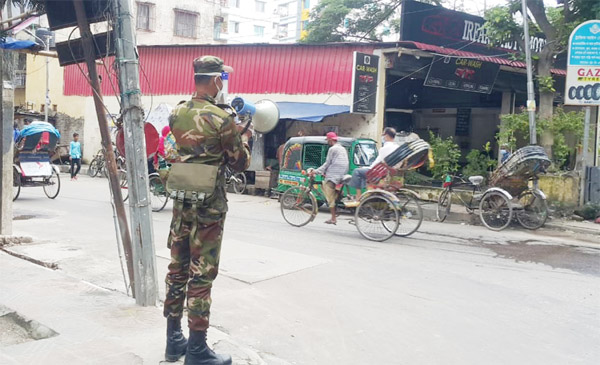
{"x":247,"y":16}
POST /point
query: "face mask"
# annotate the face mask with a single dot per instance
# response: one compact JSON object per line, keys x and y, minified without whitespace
{"x":219,"y":93}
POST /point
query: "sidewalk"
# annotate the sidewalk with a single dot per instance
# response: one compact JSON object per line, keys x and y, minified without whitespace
{"x":458,"y":214}
{"x":92,"y":325}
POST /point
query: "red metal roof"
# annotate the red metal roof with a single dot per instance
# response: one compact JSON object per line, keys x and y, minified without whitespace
{"x":285,"y":69}
{"x":454,"y":52}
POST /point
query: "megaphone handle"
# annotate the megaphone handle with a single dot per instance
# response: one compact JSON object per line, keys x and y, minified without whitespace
{"x":246,"y":127}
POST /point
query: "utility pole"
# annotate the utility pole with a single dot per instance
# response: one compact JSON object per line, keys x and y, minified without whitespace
{"x":146,"y":285}
{"x":7,"y":70}
{"x":87,"y":42}
{"x":530,"y":92}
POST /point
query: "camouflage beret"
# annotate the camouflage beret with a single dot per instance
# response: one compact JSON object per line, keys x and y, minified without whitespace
{"x":210,"y":66}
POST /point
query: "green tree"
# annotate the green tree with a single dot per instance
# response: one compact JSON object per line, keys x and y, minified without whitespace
{"x":504,"y":24}
{"x":351,"y":20}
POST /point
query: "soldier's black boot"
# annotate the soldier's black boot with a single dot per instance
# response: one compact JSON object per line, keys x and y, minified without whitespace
{"x":176,"y":342}
{"x":198,"y":352}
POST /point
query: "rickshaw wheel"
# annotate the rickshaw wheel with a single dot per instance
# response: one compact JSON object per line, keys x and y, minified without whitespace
{"x":158,"y":193}
{"x":298,"y":206}
{"x":495,"y":211}
{"x":52,"y":185}
{"x":444,"y":205}
{"x":533,"y":210}
{"x":376,"y":218}
{"x":410,"y":214}
{"x":16,"y":183}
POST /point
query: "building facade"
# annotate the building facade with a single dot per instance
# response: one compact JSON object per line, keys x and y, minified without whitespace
{"x":250,"y":21}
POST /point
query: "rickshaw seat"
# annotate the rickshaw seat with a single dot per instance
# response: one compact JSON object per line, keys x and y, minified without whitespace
{"x":376,"y":173}
{"x":346,"y":179}
{"x":476,"y":180}
{"x":45,"y":138}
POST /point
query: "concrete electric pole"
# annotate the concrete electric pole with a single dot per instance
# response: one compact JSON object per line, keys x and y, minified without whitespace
{"x":530,"y":92}
{"x":7,"y":70}
{"x":146,"y":286}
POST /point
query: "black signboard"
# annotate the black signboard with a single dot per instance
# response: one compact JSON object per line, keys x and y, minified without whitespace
{"x":451,"y":29}
{"x":364,"y":83}
{"x":463,"y":121}
{"x":465,"y":74}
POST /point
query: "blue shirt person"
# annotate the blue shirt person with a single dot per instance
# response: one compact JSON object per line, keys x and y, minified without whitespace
{"x":75,"y":155}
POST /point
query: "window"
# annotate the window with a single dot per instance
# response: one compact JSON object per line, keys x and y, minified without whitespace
{"x":283,"y":10}
{"x":313,"y":156}
{"x":305,"y":4}
{"x":260,"y":6}
{"x":185,"y":24}
{"x":234,"y":3}
{"x":144,"y":16}
{"x":259,"y":31}
{"x":220,"y":27}
{"x":235,"y":26}
{"x":365,"y":153}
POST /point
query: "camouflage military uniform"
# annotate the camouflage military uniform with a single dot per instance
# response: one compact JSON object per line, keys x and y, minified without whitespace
{"x":205,"y":134}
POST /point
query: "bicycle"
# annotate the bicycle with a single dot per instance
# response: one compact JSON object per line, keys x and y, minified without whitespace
{"x":235,"y":179}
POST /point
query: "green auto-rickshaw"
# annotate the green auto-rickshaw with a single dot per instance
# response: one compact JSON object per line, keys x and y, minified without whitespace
{"x":302,"y":153}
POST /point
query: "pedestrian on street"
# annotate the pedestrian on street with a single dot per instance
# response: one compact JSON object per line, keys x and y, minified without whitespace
{"x":75,"y":155}
{"x":334,"y":169}
{"x":359,"y":176}
{"x":208,"y":140}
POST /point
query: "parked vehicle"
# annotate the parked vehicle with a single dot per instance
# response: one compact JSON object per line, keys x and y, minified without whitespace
{"x":303,"y":153}
{"x":32,"y":167}
{"x":237,"y":180}
{"x":512,"y":191}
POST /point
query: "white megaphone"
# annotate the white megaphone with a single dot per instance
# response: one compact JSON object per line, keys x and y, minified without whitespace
{"x":264,"y":114}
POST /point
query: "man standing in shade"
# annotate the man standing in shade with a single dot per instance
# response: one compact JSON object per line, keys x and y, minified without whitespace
{"x":207,"y":137}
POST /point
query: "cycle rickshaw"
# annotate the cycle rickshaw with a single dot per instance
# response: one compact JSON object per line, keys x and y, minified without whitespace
{"x":512,"y":191}
{"x":32,"y":167}
{"x":385,"y":210}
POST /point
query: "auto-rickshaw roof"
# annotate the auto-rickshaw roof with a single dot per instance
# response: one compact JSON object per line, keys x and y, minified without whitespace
{"x":323,"y":140}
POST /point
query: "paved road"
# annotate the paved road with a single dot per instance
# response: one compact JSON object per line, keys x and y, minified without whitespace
{"x":450,"y":294}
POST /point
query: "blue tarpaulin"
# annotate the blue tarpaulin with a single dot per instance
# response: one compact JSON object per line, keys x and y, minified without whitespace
{"x":39,"y":127}
{"x":11,"y":43}
{"x":309,"y":112}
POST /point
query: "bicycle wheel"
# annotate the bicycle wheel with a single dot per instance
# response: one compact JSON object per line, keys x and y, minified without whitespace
{"x":495,"y":211}
{"x":122,"y":175}
{"x":94,"y":168}
{"x":376,"y":218}
{"x":410,"y":214}
{"x":158,"y":193}
{"x":298,"y":206}
{"x":52,"y":185}
{"x":238,"y":180}
{"x":533,"y":210}
{"x":16,"y":183}
{"x":444,"y":204}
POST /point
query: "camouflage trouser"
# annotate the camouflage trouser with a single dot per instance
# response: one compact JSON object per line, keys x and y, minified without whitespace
{"x":195,"y":243}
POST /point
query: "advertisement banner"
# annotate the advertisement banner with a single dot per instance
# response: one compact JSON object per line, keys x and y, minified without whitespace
{"x":364,"y":83}
{"x":583,"y":65}
{"x":464,"y":74}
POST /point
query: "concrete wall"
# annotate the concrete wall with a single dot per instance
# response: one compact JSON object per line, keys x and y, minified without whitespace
{"x":162,"y":26}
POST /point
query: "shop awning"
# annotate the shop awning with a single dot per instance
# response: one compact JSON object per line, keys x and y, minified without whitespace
{"x":309,"y":112}
{"x":454,"y":52}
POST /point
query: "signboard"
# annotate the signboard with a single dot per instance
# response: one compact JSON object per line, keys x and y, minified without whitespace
{"x":364,"y":83}
{"x":463,"y":121}
{"x":583,"y":65}
{"x":452,"y":29}
{"x":464,"y":74}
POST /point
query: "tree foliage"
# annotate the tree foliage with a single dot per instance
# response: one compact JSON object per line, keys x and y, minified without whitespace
{"x":351,"y":20}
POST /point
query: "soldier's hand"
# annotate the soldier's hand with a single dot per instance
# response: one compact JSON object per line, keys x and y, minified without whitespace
{"x":246,"y":136}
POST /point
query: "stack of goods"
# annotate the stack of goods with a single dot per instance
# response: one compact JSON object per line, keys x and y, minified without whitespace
{"x":522,"y":165}
{"x":409,"y":155}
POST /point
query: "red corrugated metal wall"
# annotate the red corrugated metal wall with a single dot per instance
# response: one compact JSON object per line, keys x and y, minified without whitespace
{"x":259,"y":69}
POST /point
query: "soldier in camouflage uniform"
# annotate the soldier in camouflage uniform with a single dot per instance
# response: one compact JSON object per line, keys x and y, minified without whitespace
{"x":205,"y":134}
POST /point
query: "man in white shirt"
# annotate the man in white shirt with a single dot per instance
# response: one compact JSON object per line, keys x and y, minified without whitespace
{"x":359,"y":176}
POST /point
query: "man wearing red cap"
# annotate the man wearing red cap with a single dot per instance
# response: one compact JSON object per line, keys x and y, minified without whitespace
{"x":334,"y":169}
